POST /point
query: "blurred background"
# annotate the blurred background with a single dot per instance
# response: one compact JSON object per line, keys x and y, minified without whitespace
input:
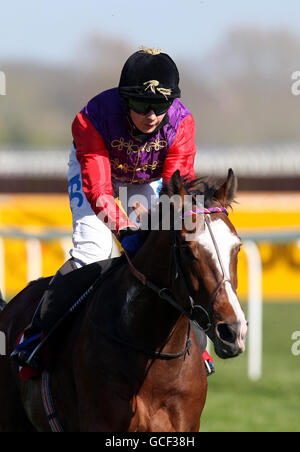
{"x":238,"y":65}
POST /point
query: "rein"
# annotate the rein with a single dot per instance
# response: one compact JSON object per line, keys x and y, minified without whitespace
{"x":149,"y":353}
{"x":166,"y":294}
{"x":163,"y":292}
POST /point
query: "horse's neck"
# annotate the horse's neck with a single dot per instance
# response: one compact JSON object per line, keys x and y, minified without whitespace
{"x":153,"y":259}
{"x":150,"y":320}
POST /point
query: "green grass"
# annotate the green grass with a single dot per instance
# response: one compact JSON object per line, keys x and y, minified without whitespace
{"x":271,"y":404}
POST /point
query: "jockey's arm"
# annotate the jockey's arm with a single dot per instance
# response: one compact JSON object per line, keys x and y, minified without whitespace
{"x":93,"y":158}
{"x":181,"y":154}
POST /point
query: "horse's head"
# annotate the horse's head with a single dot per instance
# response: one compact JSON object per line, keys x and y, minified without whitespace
{"x":208,"y":247}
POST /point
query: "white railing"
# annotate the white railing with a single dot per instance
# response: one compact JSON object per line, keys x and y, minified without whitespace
{"x":255,"y":310}
{"x":255,"y":295}
{"x":273,"y":160}
{"x":33,"y":251}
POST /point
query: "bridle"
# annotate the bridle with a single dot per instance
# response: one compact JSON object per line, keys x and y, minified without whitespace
{"x":166,"y":294}
{"x":225,"y":277}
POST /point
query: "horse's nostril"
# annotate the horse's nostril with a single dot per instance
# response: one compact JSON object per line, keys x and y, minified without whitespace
{"x":226,"y":333}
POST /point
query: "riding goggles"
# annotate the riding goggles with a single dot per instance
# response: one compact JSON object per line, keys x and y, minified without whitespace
{"x":142,"y":107}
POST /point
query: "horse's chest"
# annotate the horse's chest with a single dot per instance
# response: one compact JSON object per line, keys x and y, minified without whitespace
{"x":148,"y":418}
{"x":166,"y":404}
{"x":152,"y":414}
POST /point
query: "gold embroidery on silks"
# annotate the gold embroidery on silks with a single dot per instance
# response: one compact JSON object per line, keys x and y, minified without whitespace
{"x":131,"y":148}
{"x":149,"y":146}
{"x":121,"y":144}
{"x":118,"y":144}
{"x":137,"y":162}
{"x":156,"y":145}
{"x":122,"y":166}
{"x":135,"y":181}
{"x":125,"y":167}
{"x":150,"y":166}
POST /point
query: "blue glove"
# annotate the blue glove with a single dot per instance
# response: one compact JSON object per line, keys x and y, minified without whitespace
{"x":131,"y":243}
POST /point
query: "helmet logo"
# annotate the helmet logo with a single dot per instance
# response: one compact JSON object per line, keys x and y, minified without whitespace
{"x":153,"y":85}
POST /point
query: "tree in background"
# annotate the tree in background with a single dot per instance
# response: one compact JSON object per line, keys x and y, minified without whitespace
{"x":239,"y":93}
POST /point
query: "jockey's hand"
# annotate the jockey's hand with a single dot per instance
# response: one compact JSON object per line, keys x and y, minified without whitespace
{"x":130,"y":240}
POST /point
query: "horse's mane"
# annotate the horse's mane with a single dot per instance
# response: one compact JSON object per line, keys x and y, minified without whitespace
{"x":204,"y":186}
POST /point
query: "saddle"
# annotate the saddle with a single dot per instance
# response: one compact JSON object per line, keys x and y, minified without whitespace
{"x":69,"y":289}
{"x":66,"y":293}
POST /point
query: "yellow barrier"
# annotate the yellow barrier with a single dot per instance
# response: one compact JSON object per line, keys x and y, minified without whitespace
{"x":253,"y":212}
{"x":32,"y":214}
{"x":271,"y":212}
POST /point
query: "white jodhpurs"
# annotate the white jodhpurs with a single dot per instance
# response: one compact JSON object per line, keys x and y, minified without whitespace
{"x":92,"y":240}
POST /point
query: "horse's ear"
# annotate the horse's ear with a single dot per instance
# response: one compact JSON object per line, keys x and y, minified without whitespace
{"x":177,"y":191}
{"x":226,"y":193}
{"x":175,"y":186}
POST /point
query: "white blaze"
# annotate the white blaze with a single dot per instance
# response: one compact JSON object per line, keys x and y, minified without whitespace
{"x":226,"y":240}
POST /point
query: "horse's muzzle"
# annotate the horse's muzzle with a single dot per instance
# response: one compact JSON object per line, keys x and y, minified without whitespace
{"x":229,"y":340}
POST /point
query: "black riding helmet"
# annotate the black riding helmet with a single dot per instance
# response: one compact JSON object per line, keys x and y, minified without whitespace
{"x":150,"y":75}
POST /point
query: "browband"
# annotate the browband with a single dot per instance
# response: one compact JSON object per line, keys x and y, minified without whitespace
{"x":205,"y":211}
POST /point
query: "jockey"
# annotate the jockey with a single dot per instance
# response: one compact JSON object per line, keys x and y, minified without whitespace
{"x":134,"y":136}
{"x":131,"y":136}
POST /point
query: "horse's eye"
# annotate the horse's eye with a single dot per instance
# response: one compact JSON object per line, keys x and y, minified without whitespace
{"x":236,"y":250}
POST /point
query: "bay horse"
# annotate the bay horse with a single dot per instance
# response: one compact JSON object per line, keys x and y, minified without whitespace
{"x":129,"y":360}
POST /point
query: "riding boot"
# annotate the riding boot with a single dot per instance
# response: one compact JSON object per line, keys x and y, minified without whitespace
{"x":25,"y":351}
{"x":31,"y":338}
